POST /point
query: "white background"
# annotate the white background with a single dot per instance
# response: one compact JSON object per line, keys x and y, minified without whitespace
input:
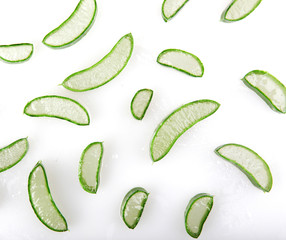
{"x":228,"y":52}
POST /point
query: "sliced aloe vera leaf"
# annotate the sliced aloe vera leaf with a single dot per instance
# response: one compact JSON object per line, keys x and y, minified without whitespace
{"x":103,"y":71}
{"x":249,"y":162}
{"x":89,"y":167}
{"x":13,"y":153}
{"x":57,"y":107}
{"x":73,"y":28}
{"x":171,"y":7}
{"x":182,"y":61}
{"x":239,"y":9}
{"x":268,"y":88}
{"x":178,"y":122}
{"x":16,"y":53}
{"x":140,"y":103}
{"x":133,"y":205}
{"x":197,"y":212}
{"x":42,"y":202}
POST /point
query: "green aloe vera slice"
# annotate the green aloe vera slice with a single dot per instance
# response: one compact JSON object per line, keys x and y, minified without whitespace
{"x":182,"y":61}
{"x":178,"y":122}
{"x":13,"y":153}
{"x":73,"y":28}
{"x":197,"y":212}
{"x":57,"y":107}
{"x":16,"y":53}
{"x":140,"y":103}
{"x":268,"y":88}
{"x":133,"y":205}
{"x":89,"y":167}
{"x":249,"y":162}
{"x":103,"y":71}
{"x":239,"y":9}
{"x":171,"y":7}
{"x":42,"y":201}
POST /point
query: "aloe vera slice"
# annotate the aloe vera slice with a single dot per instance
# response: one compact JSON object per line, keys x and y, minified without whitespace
{"x":16,"y":53}
{"x":103,"y":71}
{"x":57,"y":107}
{"x":182,"y":61}
{"x":133,"y":205}
{"x":73,"y":28}
{"x":268,"y":88}
{"x":239,"y":9}
{"x":13,"y":153}
{"x":89,"y":167}
{"x":197,"y":212}
{"x":140,"y":103}
{"x":42,"y":202}
{"x":178,"y":122}
{"x":249,"y":162}
{"x":171,"y":7}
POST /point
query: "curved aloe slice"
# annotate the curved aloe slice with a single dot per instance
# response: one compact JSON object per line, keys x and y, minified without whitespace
{"x":89,"y":167}
{"x":239,"y":9}
{"x":103,"y":71}
{"x":73,"y":28}
{"x":133,"y":205}
{"x":140,"y":103}
{"x":182,"y":61}
{"x":13,"y":153}
{"x":42,"y":201}
{"x":177,"y":123}
{"x":197,"y":212}
{"x":268,"y":87}
{"x":249,"y":162}
{"x":171,"y":7}
{"x":57,"y":107}
{"x":15,"y":53}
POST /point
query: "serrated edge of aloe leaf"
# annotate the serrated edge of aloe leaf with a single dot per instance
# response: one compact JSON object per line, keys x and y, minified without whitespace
{"x":14,"y":45}
{"x":188,"y":208}
{"x":235,"y":20}
{"x":147,"y":105}
{"x":22,"y":156}
{"x":55,"y":116}
{"x":247,"y":173}
{"x":129,"y":35}
{"x":168,"y":18}
{"x":39,"y":164}
{"x":75,"y":40}
{"x":179,"y":69}
{"x":260,"y":93}
{"x":83,"y":183}
{"x":125,"y":201}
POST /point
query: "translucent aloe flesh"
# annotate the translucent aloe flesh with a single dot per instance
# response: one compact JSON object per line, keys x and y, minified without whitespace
{"x":171,"y":7}
{"x":251,"y":164}
{"x":73,"y":28}
{"x":103,"y":71}
{"x":42,"y":201}
{"x":177,"y":123}
{"x":140,"y":103}
{"x":16,"y":52}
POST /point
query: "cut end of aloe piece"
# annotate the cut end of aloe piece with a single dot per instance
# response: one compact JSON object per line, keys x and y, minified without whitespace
{"x":73,"y":28}
{"x":16,"y":53}
{"x":57,"y":107}
{"x":89,"y":167}
{"x":269,"y":88}
{"x":103,"y":71}
{"x":239,"y":9}
{"x":171,"y":7}
{"x":42,"y":201}
{"x":140,"y":103}
{"x":182,"y":61}
{"x":249,"y":162}
{"x":197,"y":212}
{"x":177,"y":123}
{"x":133,"y":205}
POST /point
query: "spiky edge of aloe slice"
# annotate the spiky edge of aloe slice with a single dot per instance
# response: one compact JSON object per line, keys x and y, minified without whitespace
{"x":83,"y":183}
{"x":15,"y":45}
{"x":39,"y":164}
{"x":147,"y":104}
{"x":168,"y":18}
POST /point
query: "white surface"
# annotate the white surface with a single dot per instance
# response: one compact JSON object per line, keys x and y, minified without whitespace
{"x":228,"y":52}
